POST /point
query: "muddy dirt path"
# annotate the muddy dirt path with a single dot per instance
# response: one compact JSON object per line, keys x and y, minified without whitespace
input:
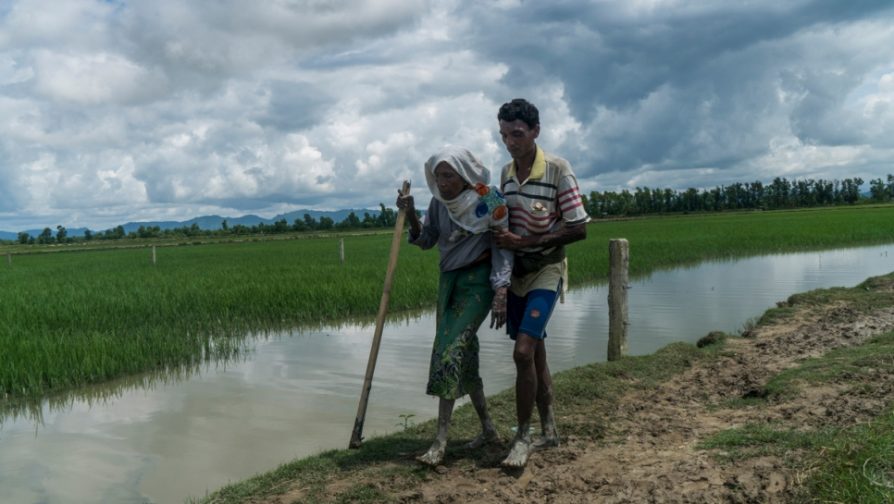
{"x":649,"y":453}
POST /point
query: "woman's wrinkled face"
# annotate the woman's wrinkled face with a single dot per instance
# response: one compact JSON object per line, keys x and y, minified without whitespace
{"x":450,"y":184}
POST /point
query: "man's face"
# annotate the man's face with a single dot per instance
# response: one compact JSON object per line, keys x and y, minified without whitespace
{"x":518,"y":138}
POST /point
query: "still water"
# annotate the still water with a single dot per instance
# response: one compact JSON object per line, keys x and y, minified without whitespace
{"x":163,"y":439}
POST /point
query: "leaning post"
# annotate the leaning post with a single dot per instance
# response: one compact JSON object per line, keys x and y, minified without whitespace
{"x":357,"y":433}
{"x":619,"y":257}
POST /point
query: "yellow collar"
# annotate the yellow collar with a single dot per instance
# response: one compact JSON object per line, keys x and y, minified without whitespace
{"x":538,"y":169}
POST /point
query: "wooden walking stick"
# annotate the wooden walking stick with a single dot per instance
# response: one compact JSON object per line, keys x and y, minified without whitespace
{"x":357,"y":434}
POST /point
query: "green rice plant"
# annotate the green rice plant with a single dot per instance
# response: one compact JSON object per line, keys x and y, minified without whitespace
{"x":70,"y":319}
{"x":670,"y":241}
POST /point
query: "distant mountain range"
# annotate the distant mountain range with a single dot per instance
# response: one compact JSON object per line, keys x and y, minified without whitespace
{"x":210,"y":222}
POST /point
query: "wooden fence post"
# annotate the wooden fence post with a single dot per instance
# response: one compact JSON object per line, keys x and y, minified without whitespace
{"x":619,"y":256}
{"x":341,"y":250}
{"x":153,"y":255}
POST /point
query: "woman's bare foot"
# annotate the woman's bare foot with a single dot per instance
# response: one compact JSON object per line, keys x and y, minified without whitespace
{"x":434,"y":455}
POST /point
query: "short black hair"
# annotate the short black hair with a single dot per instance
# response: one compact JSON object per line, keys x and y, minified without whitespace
{"x":520,"y":109}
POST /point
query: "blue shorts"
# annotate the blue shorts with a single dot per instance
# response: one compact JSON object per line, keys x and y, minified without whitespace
{"x":529,"y":314}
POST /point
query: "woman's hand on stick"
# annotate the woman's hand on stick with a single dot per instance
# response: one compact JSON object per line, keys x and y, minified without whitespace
{"x":405,"y":203}
{"x":408,"y":205}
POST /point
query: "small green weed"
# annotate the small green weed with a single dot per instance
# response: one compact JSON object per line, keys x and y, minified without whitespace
{"x":405,"y":421}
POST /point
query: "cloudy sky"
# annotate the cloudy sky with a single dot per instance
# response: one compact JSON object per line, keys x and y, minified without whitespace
{"x":116,"y":111}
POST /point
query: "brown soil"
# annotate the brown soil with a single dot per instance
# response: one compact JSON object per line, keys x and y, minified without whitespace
{"x":650,"y":454}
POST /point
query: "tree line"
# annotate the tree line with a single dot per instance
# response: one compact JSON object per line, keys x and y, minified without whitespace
{"x":385,"y":218}
{"x":781,"y":193}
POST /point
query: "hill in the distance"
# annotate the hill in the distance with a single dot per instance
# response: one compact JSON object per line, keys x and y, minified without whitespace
{"x":210,"y":222}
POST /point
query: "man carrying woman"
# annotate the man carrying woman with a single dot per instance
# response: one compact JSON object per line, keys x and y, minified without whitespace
{"x":474,"y":279}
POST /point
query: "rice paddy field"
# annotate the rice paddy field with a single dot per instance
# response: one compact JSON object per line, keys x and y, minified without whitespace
{"x":73,"y":318}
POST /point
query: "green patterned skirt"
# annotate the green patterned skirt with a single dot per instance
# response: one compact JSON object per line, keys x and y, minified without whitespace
{"x":464,"y":299}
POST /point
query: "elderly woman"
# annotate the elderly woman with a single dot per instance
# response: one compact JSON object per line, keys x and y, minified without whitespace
{"x":473,"y":281}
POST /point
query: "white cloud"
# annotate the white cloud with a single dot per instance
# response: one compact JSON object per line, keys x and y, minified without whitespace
{"x":789,"y":157}
{"x":170,"y":109}
{"x":94,"y":79}
{"x":69,"y":23}
{"x":11,"y":72}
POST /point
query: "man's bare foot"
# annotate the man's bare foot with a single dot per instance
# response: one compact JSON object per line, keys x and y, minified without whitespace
{"x":549,"y":438}
{"x":434,"y":455}
{"x":518,"y":453}
{"x":486,"y":437}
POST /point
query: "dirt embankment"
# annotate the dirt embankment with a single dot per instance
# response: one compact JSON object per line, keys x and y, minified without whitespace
{"x":650,"y":452}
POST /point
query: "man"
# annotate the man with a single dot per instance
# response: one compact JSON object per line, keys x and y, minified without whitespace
{"x":546,"y":213}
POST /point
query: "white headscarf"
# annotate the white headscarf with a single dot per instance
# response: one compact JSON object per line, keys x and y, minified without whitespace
{"x":467,"y":166}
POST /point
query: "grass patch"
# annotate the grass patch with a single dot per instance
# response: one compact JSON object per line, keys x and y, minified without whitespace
{"x":849,"y":365}
{"x":871,"y":294}
{"x":854,"y":464}
{"x":844,"y":465}
{"x":761,"y":440}
{"x":360,"y":494}
{"x":857,"y":465}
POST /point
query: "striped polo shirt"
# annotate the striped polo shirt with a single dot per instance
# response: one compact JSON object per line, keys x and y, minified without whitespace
{"x":548,"y":199}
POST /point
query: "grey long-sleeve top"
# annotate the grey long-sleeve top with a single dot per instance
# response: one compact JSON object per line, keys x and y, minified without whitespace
{"x":460,"y":248}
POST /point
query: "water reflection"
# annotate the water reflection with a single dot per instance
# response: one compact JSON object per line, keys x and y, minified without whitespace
{"x":33,"y":410}
{"x":163,"y":437}
{"x":236,"y":352}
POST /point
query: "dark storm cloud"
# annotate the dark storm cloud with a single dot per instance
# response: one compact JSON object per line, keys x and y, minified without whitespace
{"x":680,"y":81}
{"x":610,"y":57}
{"x":818,"y":117}
{"x":11,"y":195}
{"x":294,"y":106}
{"x":198,"y":45}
